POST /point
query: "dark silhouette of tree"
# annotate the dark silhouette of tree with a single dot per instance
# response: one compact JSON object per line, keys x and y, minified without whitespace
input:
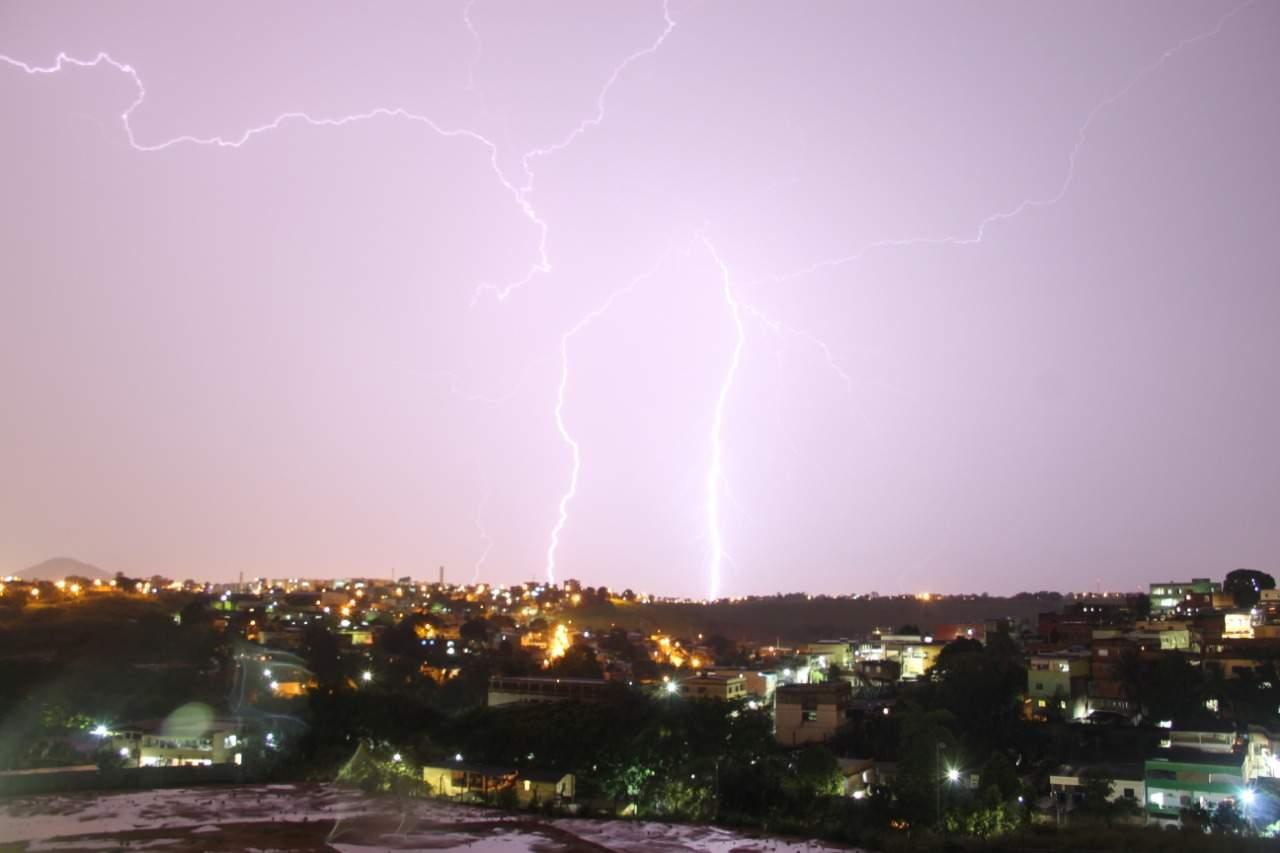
{"x":578,"y":662}
{"x":999,"y":773}
{"x":1246,"y":585}
{"x":475,"y":632}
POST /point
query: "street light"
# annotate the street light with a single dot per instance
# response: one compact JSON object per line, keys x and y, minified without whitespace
{"x":953,"y":775}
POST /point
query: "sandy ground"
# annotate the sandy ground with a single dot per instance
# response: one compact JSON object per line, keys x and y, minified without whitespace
{"x":296,"y":818}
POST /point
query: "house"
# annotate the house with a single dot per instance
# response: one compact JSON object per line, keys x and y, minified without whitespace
{"x":809,"y":713}
{"x":1183,"y":596}
{"x":827,"y":652}
{"x":1110,"y":683}
{"x":760,"y":683}
{"x":1057,"y":684}
{"x":726,"y":688}
{"x":859,"y":775}
{"x":1182,"y":778}
{"x":462,"y":780}
{"x":504,"y":690}
{"x":458,"y":779}
{"x":1206,"y":736}
{"x":153,"y":744}
{"x":1128,"y":782}
{"x":1238,"y":625}
{"x":1262,"y":745}
{"x":915,"y":655}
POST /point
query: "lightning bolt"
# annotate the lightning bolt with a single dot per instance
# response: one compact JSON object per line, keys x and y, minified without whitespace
{"x":575,"y":449}
{"x":715,"y":468}
{"x":780,"y":328}
{"x":484,"y":537}
{"x":543,"y":265}
{"x":595,"y":120}
{"x":519,"y":193}
{"x":980,"y":232}
{"x":475,"y":40}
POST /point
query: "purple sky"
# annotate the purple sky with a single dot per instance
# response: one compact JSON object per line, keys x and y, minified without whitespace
{"x":775,"y":236}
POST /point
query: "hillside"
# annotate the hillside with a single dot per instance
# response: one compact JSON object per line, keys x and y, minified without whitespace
{"x":62,"y":567}
{"x":797,"y":618}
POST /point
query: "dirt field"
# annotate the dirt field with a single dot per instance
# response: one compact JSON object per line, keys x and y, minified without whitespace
{"x":298,"y":818}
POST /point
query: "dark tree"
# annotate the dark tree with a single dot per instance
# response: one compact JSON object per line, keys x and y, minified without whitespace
{"x":1246,"y":585}
{"x":998,"y":773}
{"x":474,"y":631}
{"x":578,"y":662}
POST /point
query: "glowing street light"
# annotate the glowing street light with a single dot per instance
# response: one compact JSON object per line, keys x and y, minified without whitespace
{"x":366,"y":676}
{"x":395,"y":757}
{"x":953,"y":775}
{"x":100,"y":730}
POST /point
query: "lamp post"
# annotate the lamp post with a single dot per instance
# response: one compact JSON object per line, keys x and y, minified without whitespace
{"x":937,"y":767}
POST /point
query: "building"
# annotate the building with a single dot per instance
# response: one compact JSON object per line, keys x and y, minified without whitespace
{"x":1110,"y":687}
{"x":1173,"y":636}
{"x":1058,"y":684}
{"x":859,"y":775}
{"x":504,"y":690}
{"x":1184,"y":778}
{"x":760,"y":683}
{"x":1263,"y":760}
{"x":153,"y":744}
{"x":482,"y":782}
{"x":915,"y":655}
{"x":810,"y":713}
{"x":827,"y":652}
{"x":1128,"y":783}
{"x":1183,"y":596}
{"x":1209,"y":737}
{"x":726,"y":688}
{"x":1237,"y":625}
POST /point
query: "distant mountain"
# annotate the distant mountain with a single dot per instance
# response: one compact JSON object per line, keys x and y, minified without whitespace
{"x":62,"y":567}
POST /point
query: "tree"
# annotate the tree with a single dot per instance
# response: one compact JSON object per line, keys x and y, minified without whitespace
{"x":1246,"y":585}
{"x":818,"y":770}
{"x":195,"y":612}
{"x":919,"y":769}
{"x":579,"y":661}
{"x":1173,"y":689}
{"x":1096,"y":783}
{"x":953,"y":650}
{"x":1227,"y":818}
{"x":474,"y":632}
{"x":998,"y":773}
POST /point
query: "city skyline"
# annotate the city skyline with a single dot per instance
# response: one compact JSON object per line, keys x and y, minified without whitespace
{"x":732,"y":299}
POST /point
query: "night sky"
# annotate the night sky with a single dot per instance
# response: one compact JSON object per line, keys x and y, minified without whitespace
{"x":717,"y":297}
